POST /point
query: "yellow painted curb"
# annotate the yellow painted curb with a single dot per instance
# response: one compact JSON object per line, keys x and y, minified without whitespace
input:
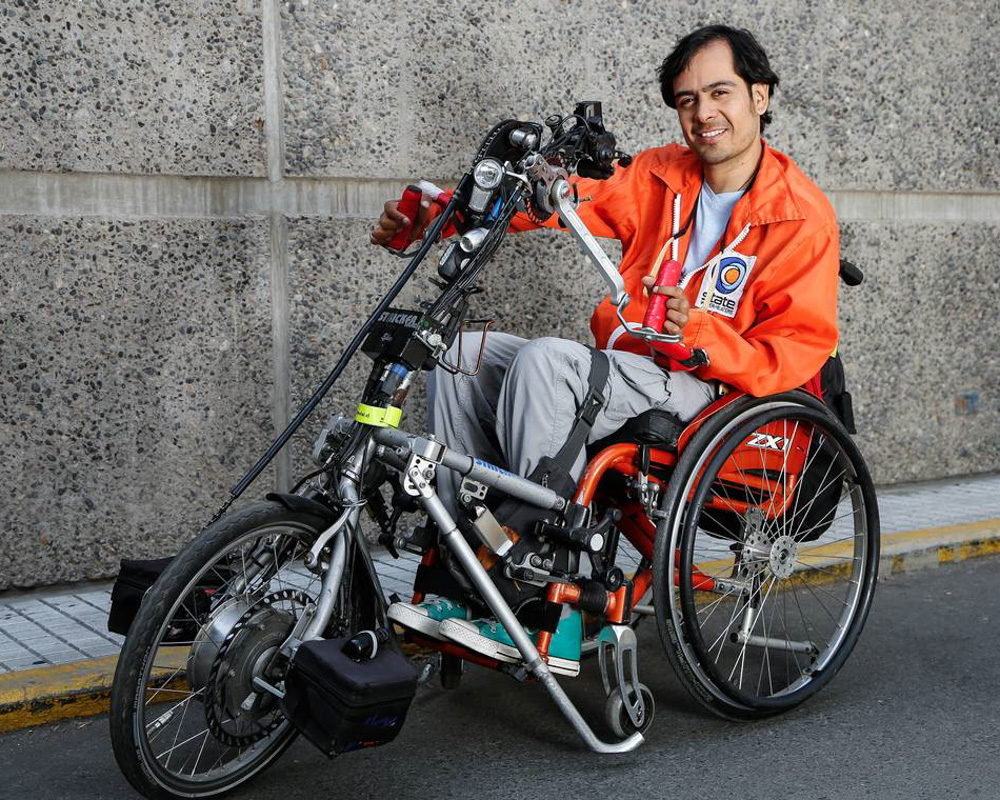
{"x":49,"y":694}
{"x":969,"y":533}
{"x":66,"y":691}
{"x":83,"y":688}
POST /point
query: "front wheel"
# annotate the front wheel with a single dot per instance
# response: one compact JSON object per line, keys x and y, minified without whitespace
{"x":767,"y":556}
{"x":187,"y":719}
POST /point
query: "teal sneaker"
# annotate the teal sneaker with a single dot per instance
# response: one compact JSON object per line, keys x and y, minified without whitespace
{"x":426,"y":617}
{"x":488,"y":637}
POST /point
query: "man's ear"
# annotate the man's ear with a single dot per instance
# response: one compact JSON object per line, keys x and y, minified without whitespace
{"x":761,"y":95}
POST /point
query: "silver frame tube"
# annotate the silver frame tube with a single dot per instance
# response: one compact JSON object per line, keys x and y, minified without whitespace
{"x":474,"y":468}
{"x":454,"y":540}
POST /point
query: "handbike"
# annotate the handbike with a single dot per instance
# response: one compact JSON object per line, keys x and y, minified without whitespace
{"x":756,"y":528}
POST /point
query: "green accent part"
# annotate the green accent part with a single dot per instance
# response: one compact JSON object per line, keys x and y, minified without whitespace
{"x":387,"y":417}
{"x":566,"y":641}
{"x":442,"y":609}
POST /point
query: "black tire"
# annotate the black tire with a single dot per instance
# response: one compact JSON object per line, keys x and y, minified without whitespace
{"x":617,"y":717}
{"x":753,"y":554}
{"x":173,"y":609}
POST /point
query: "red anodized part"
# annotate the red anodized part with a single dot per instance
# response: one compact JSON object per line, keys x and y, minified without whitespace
{"x":408,"y":206}
{"x":656,"y":312}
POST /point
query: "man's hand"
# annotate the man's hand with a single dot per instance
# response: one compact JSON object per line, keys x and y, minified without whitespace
{"x":392,"y":221}
{"x":677,"y":305}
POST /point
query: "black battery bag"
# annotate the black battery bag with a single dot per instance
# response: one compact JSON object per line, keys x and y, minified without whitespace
{"x":342,"y":705}
{"x":135,"y":576}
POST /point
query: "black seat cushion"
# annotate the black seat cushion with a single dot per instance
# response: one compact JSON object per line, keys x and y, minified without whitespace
{"x":655,"y":427}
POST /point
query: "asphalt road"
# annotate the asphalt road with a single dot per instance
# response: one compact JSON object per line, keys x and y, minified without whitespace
{"x":913,"y":714}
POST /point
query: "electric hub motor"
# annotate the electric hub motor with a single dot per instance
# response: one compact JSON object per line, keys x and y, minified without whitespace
{"x":238,"y":643}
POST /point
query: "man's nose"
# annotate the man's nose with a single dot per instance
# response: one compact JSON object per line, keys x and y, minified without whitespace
{"x":705,"y":110}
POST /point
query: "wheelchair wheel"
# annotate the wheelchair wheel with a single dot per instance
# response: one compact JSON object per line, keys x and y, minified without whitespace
{"x":766,"y":556}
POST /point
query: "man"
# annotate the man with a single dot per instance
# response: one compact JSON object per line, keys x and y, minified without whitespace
{"x":760,"y":252}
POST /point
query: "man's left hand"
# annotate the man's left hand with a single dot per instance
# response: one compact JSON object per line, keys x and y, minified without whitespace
{"x":677,"y":306}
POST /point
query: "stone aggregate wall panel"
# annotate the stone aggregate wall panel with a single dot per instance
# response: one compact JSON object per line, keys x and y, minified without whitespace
{"x":132,"y":87}
{"x":868,"y":98}
{"x":397,"y":90}
{"x":135,"y":375}
{"x":918,"y":334}
{"x":901,"y":100}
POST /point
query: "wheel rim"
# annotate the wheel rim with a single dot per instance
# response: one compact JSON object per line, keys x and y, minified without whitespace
{"x":195,"y":729}
{"x":747,"y":642}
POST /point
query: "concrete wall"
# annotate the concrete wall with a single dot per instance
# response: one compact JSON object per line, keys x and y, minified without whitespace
{"x":186,"y":190}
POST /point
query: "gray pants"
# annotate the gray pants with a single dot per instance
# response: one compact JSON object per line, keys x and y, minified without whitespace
{"x":522,"y":403}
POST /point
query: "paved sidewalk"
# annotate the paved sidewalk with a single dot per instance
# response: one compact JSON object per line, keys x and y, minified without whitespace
{"x":53,"y":641}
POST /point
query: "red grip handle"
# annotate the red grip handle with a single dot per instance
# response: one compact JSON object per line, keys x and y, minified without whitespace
{"x":408,"y":206}
{"x":656,"y":311}
{"x":680,"y":357}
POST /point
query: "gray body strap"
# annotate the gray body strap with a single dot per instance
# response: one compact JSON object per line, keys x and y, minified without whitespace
{"x":592,"y":404}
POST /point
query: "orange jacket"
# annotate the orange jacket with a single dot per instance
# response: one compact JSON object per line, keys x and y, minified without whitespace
{"x":771,"y":320}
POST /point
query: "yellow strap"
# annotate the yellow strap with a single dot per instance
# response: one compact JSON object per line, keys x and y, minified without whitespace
{"x":835,"y":348}
{"x":387,"y":417}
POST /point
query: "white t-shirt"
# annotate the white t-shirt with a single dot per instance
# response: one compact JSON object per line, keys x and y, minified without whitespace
{"x":710,"y":223}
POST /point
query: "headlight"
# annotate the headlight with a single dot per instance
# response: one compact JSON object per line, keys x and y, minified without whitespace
{"x":487,"y":174}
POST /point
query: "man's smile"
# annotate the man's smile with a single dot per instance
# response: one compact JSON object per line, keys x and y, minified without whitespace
{"x":712,"y":133}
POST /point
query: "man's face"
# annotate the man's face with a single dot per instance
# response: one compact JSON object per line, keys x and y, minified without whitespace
{"x":719,"y":116}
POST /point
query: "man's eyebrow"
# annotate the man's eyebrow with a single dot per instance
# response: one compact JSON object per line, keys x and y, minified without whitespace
{"x":716,"y":85}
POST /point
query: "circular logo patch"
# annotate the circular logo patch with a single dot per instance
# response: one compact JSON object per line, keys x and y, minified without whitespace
{"x":732,"y":271}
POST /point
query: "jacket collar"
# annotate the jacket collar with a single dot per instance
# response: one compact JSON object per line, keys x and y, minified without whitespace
{"x":770,"y":199}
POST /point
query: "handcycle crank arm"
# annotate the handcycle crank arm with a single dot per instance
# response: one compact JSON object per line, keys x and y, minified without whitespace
{"x":533,"y":662}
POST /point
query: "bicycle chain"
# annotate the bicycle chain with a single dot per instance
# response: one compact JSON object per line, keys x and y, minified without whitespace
{"x":214,"y":693}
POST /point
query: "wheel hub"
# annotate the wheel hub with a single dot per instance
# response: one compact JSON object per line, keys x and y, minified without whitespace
{"x":782,"y":557}
{"x":246,"y":658}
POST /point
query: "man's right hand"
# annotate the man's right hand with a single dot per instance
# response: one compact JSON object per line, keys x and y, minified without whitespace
{"x":392,"y":221}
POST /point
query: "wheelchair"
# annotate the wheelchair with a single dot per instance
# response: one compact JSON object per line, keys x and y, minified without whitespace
{"x":756,"y":533}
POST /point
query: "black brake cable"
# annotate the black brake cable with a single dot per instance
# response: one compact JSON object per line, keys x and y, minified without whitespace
{"x":429,"y":240}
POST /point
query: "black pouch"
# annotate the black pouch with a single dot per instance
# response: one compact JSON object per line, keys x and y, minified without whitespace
{"x":135,"y":576}
{"x":833,"y":384}
{"x":341,"y":705}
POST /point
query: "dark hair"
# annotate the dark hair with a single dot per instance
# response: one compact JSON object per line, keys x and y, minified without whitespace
{"x":749,"y":59}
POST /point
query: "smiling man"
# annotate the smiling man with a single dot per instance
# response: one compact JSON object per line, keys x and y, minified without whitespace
{"x":758,"y":242}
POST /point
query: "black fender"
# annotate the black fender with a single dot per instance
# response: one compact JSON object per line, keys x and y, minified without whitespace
{"x":306,"y":505}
